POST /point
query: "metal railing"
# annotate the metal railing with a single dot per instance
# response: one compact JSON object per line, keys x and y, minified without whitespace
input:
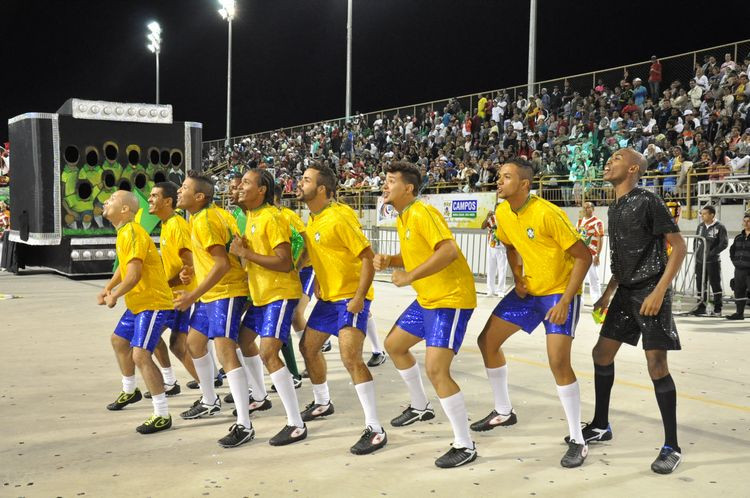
{"x":675,"y":67}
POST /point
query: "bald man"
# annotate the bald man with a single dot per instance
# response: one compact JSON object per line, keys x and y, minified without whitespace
{"x":141,"y":280}
{"x":640,"y":227}
{"x":592,"y":230}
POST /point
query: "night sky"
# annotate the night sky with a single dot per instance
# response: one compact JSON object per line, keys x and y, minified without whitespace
{"x":289,"y":56}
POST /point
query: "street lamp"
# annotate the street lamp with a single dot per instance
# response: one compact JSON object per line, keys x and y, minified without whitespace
{"x":227,"y":12}
{"x":154,"y":45}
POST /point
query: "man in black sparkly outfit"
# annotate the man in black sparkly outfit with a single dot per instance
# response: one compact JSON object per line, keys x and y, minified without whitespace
{"x":640,"y":226}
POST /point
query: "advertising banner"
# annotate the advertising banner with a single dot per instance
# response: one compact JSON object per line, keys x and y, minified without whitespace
{"x":460,"y":210}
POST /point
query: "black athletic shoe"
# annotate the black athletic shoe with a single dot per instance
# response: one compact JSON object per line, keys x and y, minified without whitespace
{"x":376,"y":360}
{"x":493,"y":420}
{"x":700,"y":310}
{"x":170,"y":391}
{"x":326,"y":346}
{"x":221,"y":374}
{"x":238,"y":434}
{"x":369,"y":442}
{"x":155,"y":423}
{"x":667,"y":461}
{"x":735,"y":316}
{"x":193,"y":384}
{"x":230,"y":399}
{"x":592,"y":434}
{"x":412,"y":415}
{"x":575,"y":455}
{"x":124,"y":399}
{"x":200,"y":409}
{"x":296,"y":382}
{"x":288,"y":435}
{"x":314,"y":410}
{"x":304,"y":374}
{"x":457,"y":457}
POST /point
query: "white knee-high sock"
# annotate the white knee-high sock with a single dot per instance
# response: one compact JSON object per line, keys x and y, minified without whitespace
{"x":498,"y":378}
{"x":204,"y":367}
{"x":168,"y":374}
{"x":255,"y":369}
{"x":321,"y":394}
{"x":161,"y":408}
{"x":128,"y":384}
{"x":413,"y":380}
{"x":282,"y":379}
{"x":455,"y":409}
{"x":238,"y":385}
{"x":372,"y":335}
{"x":366,"y":394}
{"x":570,"y":397}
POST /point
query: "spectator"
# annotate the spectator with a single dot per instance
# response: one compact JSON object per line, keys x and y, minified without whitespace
{"x":496,"y":258}
{"x":639,"y":93}
{"x":4,"y":218}
{"x":739,"y":254}
{"x":654,"y":77}
{"x":715,"y":236}
{"x":592,"y":230}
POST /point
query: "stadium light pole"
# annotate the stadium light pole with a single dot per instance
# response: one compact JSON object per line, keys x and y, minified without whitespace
{"x":349,"y":61}
{"x":227,"y":11}
{"x":532,"y":49}
{"x":154,"y":45}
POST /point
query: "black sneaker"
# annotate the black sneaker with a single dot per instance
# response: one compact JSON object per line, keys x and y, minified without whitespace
{"x":304,"y":374}
{"x":200,"y":409}
{"x":376,"y":360}
{"x":667,"y":461}
{"x":221,"y":374}
{"x":493,"y":420}
{"x":314,"y":410}
{"x":238,"y":434}
{"x":412,"y":415}
{"x":594,"y":434}
{"x":735,"y":316}
{"x":457,"y":457}
{"x":124,"y":399}
{"x":230,"y":399}
{"x":169,"y":390}
{"x":296,"y":382}
{"x":575,"y":455}
{"x":369,"y":442}
{"x":155,"y":423}
{"x":193,"y":384}
{"x":326,"y":346}
{"x":288,"y":435}
{"x":698,"y":311}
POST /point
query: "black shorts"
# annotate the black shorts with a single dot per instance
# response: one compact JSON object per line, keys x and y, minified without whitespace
{"x":624,"y":322}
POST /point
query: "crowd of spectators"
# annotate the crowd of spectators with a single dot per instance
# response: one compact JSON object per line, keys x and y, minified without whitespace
{"x":701,"y":125}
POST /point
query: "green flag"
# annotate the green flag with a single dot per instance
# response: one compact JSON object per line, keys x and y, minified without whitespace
{"x":241,"y":218}
{"x":147,"y":220}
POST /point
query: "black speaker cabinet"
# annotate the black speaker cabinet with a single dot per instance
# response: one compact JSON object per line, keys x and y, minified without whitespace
{"x":67,"y":164}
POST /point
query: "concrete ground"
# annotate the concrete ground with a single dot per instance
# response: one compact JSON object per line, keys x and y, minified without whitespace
{"x":57,"y":438}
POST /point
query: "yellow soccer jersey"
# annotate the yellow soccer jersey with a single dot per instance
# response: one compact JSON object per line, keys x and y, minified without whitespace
{"x":174,"y":238}
{"x":212,"y":226}
{"x":152,"y":291}
{"x":541,"y":233}
{"x":420,"y":228}
{"x":334,"y":246}
{"x":265,"y":230}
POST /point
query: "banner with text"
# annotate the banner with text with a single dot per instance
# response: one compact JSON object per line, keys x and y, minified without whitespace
{"x":460,"y":210}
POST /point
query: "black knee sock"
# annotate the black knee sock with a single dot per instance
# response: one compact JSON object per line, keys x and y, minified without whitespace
{"x":604,"y":378}
{"x":666,"y":397}
{"x":291,"y":363}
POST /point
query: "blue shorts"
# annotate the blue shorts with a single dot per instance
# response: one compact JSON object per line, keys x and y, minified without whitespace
{"x":272,"y":320}
{"x":530,"y":311}
{"x":181,"y":321}
{"x":331,"y":316}
{"x":144,"y":329}
{"x":220,"y":318}
{"x":440,"y":327}
{"x":307,"y":278}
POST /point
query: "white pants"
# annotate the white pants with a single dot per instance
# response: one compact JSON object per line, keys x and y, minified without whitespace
{"x":595,"y":289}
{"x":496,"y":265}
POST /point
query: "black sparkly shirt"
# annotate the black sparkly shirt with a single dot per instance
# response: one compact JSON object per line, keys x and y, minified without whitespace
{"x":637,"y":224}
